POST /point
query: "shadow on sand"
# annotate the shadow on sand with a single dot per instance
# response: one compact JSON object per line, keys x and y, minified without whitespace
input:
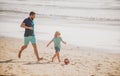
{"x":25,"y":62}
{"x":29,"y":62}
{"x":6,"y":61}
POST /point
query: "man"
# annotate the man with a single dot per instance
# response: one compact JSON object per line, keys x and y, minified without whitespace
{"x":29,"y":35}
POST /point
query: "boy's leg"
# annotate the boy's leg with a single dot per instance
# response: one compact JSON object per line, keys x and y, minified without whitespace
{"x":53,"y":57}
{"x":58,"y":55}
{"x":22,"y":48}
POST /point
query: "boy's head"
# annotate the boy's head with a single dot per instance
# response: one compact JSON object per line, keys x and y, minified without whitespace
{"x":57,"y":34}
{"x":32,"y":15}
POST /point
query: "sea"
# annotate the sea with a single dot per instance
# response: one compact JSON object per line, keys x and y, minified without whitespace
{"x":84,"y":23}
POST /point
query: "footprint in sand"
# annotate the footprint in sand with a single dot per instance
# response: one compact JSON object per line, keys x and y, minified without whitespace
{"x":109,"y":74}
{"x":97,"y":67}
{"x":51,"y":47}
{"x":1,"y":66}
{"x":9,"y":67}
{"x":6,"y":71}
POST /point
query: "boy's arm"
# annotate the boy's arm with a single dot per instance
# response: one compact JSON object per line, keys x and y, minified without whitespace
{"x":49,"y":43}
{"x":64,"y":42}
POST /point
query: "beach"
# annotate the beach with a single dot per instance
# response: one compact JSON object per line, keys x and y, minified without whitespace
{"x":83,"y":61}
{"x":91,"y":29}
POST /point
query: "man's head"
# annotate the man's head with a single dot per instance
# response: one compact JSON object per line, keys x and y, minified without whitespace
{"x":32,"y":15}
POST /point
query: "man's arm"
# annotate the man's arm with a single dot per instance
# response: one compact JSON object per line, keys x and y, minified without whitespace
{"x":26,"y":27}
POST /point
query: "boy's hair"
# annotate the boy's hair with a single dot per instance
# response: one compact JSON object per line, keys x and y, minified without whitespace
{"x":57,"y":33}
{"x":32,"y":13}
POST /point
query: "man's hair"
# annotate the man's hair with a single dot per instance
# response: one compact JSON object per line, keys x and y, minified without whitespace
{"x":32,"y":13}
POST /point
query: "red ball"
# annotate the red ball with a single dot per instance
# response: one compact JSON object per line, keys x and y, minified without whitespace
{"x":66,"y":61}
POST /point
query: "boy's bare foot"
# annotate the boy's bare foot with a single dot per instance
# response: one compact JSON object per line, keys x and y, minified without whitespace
{"x":52,"y":59}
{"x":40,"y":59}
{"x":59,"y":61}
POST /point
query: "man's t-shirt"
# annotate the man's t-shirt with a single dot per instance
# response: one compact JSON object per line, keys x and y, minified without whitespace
{"x":29,"y":23}
{"x":57,"y":42}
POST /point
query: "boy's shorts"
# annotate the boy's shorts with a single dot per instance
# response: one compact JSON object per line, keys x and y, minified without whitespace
{"x":29,"y":39}
{"x":57,"y":49}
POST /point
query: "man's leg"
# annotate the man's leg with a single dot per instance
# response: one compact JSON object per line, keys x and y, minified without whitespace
{"x":36,"y":52}
{"x":26,"y":42}
{"x":22,"y":48}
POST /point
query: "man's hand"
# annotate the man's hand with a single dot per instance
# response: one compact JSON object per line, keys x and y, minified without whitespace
{"x":30,"y":28}
{"x":26,"y":27}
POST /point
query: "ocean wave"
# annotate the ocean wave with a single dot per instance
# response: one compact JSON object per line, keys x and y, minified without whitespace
{"x":64,"y":16}
{"x":65,"y":6}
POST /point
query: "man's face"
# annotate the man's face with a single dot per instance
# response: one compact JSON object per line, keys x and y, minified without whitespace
{"x":32,"y":16}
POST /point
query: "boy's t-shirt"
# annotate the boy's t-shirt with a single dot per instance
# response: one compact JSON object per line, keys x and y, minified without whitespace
{"x":57,"y":42}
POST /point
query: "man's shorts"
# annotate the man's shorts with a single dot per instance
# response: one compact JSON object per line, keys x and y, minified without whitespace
{"x":57,"y":49}
{"x":28,"y":39}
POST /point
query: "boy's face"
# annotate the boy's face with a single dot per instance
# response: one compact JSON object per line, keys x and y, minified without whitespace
{"x":58,"y":35}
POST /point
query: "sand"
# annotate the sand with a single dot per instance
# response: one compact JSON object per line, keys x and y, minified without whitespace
{"x":83,"y":61}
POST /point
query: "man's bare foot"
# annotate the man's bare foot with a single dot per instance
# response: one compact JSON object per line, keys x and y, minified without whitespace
{"x":19,"y":55}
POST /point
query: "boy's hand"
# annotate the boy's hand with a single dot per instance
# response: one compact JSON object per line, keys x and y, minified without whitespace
{"x":47,"y":45}
{"x":65,"y":43}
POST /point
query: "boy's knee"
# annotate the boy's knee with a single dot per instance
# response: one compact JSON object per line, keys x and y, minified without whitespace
{"x":57,"y":53}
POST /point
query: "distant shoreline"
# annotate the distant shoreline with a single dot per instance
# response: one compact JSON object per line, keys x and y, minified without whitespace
{"x":70,"y":45}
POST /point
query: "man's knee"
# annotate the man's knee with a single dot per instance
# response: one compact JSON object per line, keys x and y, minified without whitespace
{"x":24,"y":46}
{"x":34,"y":46}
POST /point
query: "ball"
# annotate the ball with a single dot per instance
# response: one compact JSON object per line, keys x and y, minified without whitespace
{"x":66,"y":61}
